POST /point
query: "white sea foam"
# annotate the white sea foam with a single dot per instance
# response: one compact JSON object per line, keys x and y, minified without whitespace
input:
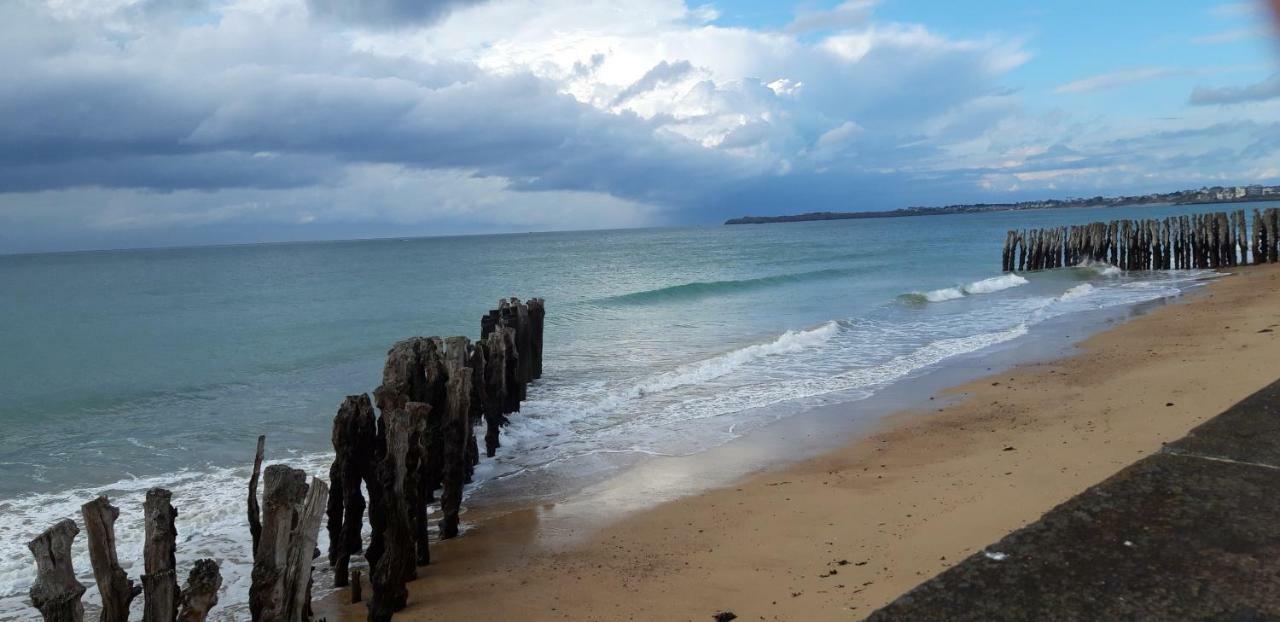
{"x":867,"y":379}
{"x":788,"y":343}
{"x":211,"y":523}
{"x":1079,"y":291}
{"x":946,"y":293}
{"x":985,"y":286}
{"x":995,"y":284}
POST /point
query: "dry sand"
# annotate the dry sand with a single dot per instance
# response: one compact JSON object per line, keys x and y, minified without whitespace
{"x":834,"y":537}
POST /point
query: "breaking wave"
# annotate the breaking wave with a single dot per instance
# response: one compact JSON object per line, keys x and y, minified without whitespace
{"x":789,"y":342}
{"x":704,"y":289}
{"x":985,"y":286}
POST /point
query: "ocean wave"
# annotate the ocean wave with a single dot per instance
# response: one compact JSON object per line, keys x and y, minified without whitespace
{"x":704,"y":289}
{"x":1079,"y":291}
{"x":211,"y":523}
{"x":985,"y":286}
{"x":865,"y":379}
{"x":789,"y":342}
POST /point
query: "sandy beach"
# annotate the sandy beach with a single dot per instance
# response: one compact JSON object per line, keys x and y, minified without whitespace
{"x":834,"y":537}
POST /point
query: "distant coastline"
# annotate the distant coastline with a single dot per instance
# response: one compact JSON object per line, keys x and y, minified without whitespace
{"x":1215,"y":194}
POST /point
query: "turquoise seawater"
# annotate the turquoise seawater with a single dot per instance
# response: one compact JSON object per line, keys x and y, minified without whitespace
{"x":122,"y":370}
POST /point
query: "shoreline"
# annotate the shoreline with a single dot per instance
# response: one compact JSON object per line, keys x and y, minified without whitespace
{"x":896,"y":504}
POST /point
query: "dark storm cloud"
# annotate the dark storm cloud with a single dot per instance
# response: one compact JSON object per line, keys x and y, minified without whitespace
{"x":386,"y":13}
{"x":662,"y":73}
{"x":1260,"y":91}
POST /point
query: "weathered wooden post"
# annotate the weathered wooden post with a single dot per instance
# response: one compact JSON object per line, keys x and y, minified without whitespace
{"x":391,"y":551}
{"x":415,"y":490}
{"x":115,"y":586}
{"x":1259,"y":234}
{"x":456,"y":421}
{"x":1242,"y":236}
{"x":495,"y":370}
{"x":200,"y":594}
{"x":1272,"y":236}
{"x":282,"y":496}
{"x":56,"y":592}
{"x":160,"y":577}
{"x":354,"y":437}
{"x":537,"y":321}
{"x":302,"y":547}
{"x":356,"y":587}
{"x":255,"y":512}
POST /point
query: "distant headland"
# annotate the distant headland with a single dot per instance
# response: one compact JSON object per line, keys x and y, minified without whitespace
{"x":1216,"y":194}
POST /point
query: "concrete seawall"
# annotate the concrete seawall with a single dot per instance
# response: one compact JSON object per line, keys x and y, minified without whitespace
{"x":1191,"y":533}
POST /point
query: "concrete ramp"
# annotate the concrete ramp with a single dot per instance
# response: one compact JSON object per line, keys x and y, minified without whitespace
{"x":1191,"y":533}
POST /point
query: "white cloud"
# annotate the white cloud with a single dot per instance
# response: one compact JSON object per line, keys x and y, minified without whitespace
{"x":1231,"y":36}
{"x":513,"y":114}
{"x":1119,"y":79}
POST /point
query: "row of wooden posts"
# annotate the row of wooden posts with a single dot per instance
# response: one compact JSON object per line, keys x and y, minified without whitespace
{"x":1213,"y":240}
{"x":434,"y":393}
{"x":56,"y":592}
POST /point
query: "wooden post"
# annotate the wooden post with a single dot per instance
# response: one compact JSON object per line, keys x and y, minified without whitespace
{"x":114,"y":585}
{"x":455,"y":437}
{"x":537,"y":319}
{"x":414,"y":489}
{"x":56,"y":592}
{"x":160,"y":577}
{"x":302,"y":546}
{"x":356,"y":587}
{"x":1272,"y":238}
{"x":282,"y":496}
{"x":255,"y":512}
{"x":1242,"y":236}
{"x":200,"y":594}
{"x":391,"y":552}
{"x":354,"y":437}
{"x":495,"y":370}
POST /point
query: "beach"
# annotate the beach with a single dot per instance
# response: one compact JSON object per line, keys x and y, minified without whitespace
{"x":834,"y":537}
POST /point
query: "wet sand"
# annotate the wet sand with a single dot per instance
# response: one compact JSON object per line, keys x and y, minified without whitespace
{"x":834,"y":537}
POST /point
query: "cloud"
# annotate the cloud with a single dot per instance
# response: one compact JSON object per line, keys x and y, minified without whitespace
{"x":385,"y":13}
{"x":234,"y":120}
{"x":662,"y":73}
{"x":1233,"y":10}
{"x":1227,"y":95}
{"x":846,"y":15}
{"x":1118,"y":79}
{"x":1231,"y":36}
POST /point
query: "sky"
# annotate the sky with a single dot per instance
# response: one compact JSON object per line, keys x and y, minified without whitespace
{"x":138,"y":123}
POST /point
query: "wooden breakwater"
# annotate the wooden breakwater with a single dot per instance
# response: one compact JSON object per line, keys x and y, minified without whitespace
{"x":56,"y":592}
{"x":1211,"y":240}
{"x":434,"y":393}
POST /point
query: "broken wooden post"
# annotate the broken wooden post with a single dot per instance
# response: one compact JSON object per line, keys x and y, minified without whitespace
{"x":354,"y":437}
{"x":56,"y":592}
{"x":115,"y":586}
{"x":302,"y":547}
{"x":495,"y":392}
{"x":282,"y":496}
{"x":160,"y":573}
{"x":537,"y":320}
{"x":200,"y":594}
{"x":255,"y":512}
{"x":456,"y":422}
{"x":356,"y":588}
{"x":415,"y":490}
{"x":391,"y":551}
{"x":1272,"y":216}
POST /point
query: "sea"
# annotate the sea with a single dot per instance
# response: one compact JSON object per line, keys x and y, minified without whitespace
{"x":125,"y":370}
